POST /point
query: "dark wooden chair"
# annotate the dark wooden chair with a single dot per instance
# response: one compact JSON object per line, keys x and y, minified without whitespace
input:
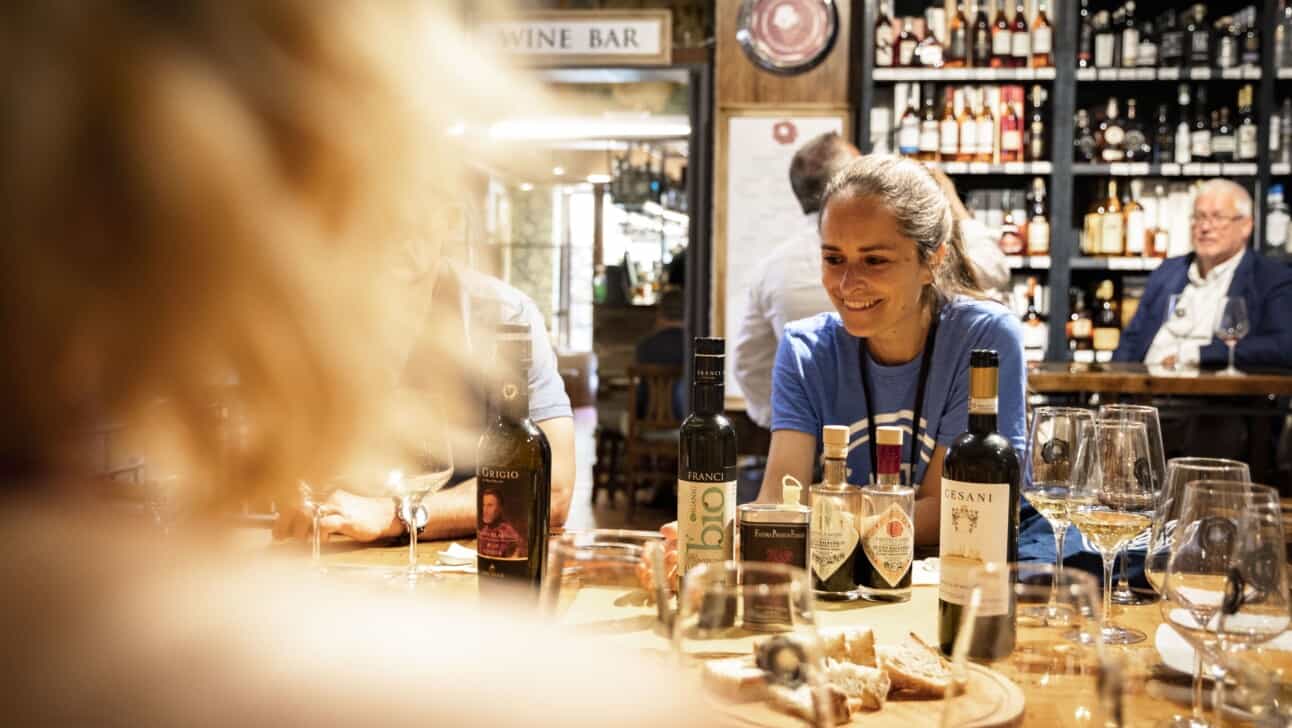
{"x":650,"y":453}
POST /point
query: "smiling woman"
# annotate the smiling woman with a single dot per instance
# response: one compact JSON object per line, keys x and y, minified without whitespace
{"x":908,"y":312}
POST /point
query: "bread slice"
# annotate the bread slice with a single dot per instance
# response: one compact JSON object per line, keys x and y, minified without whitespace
{"x":735,"y":679}
{"x":866,"y":687}
{"x":849,"y":644}
{"x":915,"y":669}
{"x":798,"y":702}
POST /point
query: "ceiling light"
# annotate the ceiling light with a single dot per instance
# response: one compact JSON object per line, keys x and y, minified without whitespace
{"x":558,"y":171}
{"x":599,"y":179}
{"x":526,"y":187}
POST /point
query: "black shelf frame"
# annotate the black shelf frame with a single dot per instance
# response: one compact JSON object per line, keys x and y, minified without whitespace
{"x":1064,"y":174}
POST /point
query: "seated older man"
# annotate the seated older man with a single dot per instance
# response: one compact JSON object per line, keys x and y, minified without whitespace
{"x":1221,"y":265}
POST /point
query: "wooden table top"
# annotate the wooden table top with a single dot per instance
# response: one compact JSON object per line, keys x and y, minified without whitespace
{"x":1127,"y":378}
{"x":1146,"y":703}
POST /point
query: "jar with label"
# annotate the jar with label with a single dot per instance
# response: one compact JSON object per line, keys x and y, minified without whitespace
{"x":776,"y":533}
{"x":887,"y":525}
{"x":835,"y":507}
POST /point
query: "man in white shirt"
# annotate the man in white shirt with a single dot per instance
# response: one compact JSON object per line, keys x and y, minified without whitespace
{"x":788,"y":284}
{"x":1221,"y":266}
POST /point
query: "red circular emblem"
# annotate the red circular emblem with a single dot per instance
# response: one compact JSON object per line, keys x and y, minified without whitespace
{"x":894,"y":528}
{"x":784,"y":132}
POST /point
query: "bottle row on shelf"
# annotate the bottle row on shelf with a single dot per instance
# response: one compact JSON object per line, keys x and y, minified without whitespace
{"x":1173,"y":39}
{"x":985,"y":124}
{"x":1147,"y":219}
{"x":1093,"y":333}
{"x":1017,"y":219}
{"x":986,"y":35}
{"x":1193,"y":133}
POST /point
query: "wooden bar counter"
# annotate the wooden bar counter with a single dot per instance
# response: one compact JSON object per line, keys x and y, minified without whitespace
{"x":608,"y":619}
{"x":1127,"y":378}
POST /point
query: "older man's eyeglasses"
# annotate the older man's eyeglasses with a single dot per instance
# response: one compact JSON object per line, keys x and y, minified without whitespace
{"x":1204,"y":219}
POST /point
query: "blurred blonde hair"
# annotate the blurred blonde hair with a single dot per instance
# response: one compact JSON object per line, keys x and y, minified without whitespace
{"x":200,"y":190}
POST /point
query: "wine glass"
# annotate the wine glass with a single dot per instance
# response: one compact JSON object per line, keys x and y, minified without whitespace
{"x":1232,"y":325}
{"x":1061,"y":452}
{"x":1115,"y":504}
{"x":433,"y":468}
{"x":314,"y":497}
{"x":589,"y":574}
{"x":1179,"y":324}
{"x":1078,"y":681}
{"x":1180,"y":472}
{"x":1157,"y":464}
{"x":1219,"y":585}
{"x":733,"y":609}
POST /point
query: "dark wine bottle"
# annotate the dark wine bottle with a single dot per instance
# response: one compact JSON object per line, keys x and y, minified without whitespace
{"x":979,"y":519}
{"x":513,"y":474}
{"x":706,"y":466}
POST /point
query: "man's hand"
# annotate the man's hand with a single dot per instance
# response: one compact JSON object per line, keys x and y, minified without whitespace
{"x":360,"y":517}
{"x":645,"y":575}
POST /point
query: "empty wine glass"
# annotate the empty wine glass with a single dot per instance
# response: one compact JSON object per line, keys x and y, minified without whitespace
{"x":1157,"y":465}
{"x":1220,"y":585}
{"x":590,"y":574}
{"x":1061,"y":452}
{"x":433,"y":469}
{"x":1179,"y":473}
{"x":1115,"y":505}
{"x":1231,"y":326}
{"x":314,"y":497}
{"x":1179,"y":324}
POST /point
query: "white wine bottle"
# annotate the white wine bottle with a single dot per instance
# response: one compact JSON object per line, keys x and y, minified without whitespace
{"x":706,"y":465}
{"x":513,"y":474}
{"x":979,"y":519}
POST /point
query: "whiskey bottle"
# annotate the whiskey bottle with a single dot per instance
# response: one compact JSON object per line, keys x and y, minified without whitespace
{"x":986,"y":134}
{"x":1035,"y":332}
{"x":1226,"y":44}
{"x":1147,"y":56}
{"x":1020,"y":38}
{"x":928,"y":52}
{"x":1092,"y":227}
{"x":1002,"y":40}
{"x":1160,"y":242}
{"x":1105,"y":41}
{"x":968,"y":128}
{"x":1129,"y":37}
{"x":1198,"y":37}
{"x":1084,"y":146}
{"x":1183,"y":129}
{"x":1080,"y":328}
{"x":1136,"y":222}
{"x":1037,"y":148}
{"x":949,"y":130}
{"x":1112,"y":228}
{"x":907,"y":43}
{"x":1248,"y":147}
{"x":1251,"y":53}
{"x":1011,"y":236}
{"x":1086,"y":37}
{"x":1224,"y":144}
{"x":908,"y":130}
{"x":1042,"y":38}
{"x":928,"y":127}
{"x":981,"y":45}
{"x":1107,"y":324}
{"x":1163,"y":137}
{"x":1200,"y":136}
{"x":958,"y":39}
{"x":1011,"y":134}
{"x":1038,"y":224}
{"x":1111,"y":135}
{"x":1135,"y":143}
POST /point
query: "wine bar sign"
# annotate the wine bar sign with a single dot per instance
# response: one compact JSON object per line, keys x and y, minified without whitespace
{"x":585,"y":38}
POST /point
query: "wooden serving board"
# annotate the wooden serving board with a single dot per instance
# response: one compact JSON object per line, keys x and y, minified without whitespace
{"x":991,"y":701}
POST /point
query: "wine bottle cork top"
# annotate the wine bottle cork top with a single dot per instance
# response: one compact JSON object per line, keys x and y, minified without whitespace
{"x":835,"y":436}
{"x":707,"y":346}
{"x":889,"y":435}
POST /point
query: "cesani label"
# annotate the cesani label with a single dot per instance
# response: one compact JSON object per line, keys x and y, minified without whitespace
{"x":706,"y":514}
{"x":834,"y":537}
{"x":974,"y":531}
{"x":889,"y":542}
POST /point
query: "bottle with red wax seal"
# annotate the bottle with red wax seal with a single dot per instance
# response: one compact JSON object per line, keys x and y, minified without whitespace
{"x":887,"y":525}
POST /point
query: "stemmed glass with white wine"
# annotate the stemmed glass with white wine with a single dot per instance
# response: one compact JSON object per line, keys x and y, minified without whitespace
{"x":1114,"y":505}
{"x":1231,"y":326}
{"x":1157,"y":466}
{"x":1060,"y":453}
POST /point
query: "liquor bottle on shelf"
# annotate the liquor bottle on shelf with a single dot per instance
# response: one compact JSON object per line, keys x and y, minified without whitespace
{"x":908,"y":130}
{"x":928,"y":52}
{"x":980,"y":48}
{"x":1283,"y":37}
{"x":1276,"y":220}
{"x":1011,"y":134}
{"x":885,"y":39}
{"x":1129,"y":37}
{"x":1247,"y":133}
{"x":1086,"y":37}
{"x":1105,"y":40}
{"x":1198,"y":37}
{"x":907,"y":43}
{"x":1037,"y":147}
{"x":1011,"y":237}
{"x":1112,"y":228}
{"x":1183,"y":129}
{"x":979,"y":519}
{"x":986,"y":134}
{"x":514,"y":463}
{"x":1200,"y":136}
{"x":1251,"y":53}
{"x":1084,"y":145}
{"x":706,"y":465}
{"x":1160,"y":233}
{"x":1038,"y":224}
{"x":1020,"y":38}
{"x":958,"y":39}
{"x":1002,"y":39}
{"x":1163,"y":137}
{"x":1080,"y":328}
{"x":928,"y":126}
{"x":1042,"y":38}
{"x":1135,"y":220}
{"x":1107,"y":329}
{"x":1092,"y":227}
{"x":1147,"y":55}
{"x":1111,"y":134}
{"x":1285,"y":133}
{"x":968,"y":128}
{"x":1224,"y":144}
{"x":1035,"y":332}
{"x":949,"y":130}
{"x":1226,"y":42}
{"x":1135,"y":145}
{"x":836,"y":512}
{"x":1171,"y":46}
{"x":888,"y":540}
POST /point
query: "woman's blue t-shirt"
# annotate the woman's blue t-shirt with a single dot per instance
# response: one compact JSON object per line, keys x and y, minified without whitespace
{"x":817,"y":381}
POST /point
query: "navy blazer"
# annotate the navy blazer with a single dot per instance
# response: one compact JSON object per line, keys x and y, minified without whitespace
{"x":1265,"y":283}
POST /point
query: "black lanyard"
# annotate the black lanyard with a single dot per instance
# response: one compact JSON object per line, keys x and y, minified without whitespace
{"x":916,"y":414}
